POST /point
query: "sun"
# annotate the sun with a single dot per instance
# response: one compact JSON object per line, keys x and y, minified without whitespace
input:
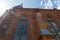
{"x":2,"y":6}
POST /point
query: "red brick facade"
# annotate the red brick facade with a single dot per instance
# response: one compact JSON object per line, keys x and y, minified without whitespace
{"x":36,"y":21}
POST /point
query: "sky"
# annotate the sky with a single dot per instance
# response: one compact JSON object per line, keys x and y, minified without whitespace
{"x":42,"y":4}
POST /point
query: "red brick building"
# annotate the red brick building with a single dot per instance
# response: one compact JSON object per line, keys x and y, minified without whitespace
{"x":30,"y":24}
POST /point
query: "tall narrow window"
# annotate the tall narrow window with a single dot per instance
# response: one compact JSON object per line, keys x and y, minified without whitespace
{"x":50,"y":25}
{"x":53,"y":28}
{"x":21,"y":31}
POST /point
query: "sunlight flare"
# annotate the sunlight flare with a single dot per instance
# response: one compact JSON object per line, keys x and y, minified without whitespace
{"x":2,"y":8}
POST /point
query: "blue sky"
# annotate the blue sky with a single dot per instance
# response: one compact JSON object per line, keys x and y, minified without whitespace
{"x":42,"y":4}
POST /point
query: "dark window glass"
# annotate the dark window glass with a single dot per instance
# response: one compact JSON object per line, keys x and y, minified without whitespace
{"x":21,"y":31}
{"x":53,"y":28}
{"x":50,"y":25}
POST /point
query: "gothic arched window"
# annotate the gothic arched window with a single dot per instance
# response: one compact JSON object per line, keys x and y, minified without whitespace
{"x":52,"y":25}
{"x":53,"y":28}
{"x":21,"y":31}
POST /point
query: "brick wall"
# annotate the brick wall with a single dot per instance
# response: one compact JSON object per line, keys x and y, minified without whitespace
{"x":36,"y":21}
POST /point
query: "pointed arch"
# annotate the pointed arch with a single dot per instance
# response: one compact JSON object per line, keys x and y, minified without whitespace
{"x":21,"y":30}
